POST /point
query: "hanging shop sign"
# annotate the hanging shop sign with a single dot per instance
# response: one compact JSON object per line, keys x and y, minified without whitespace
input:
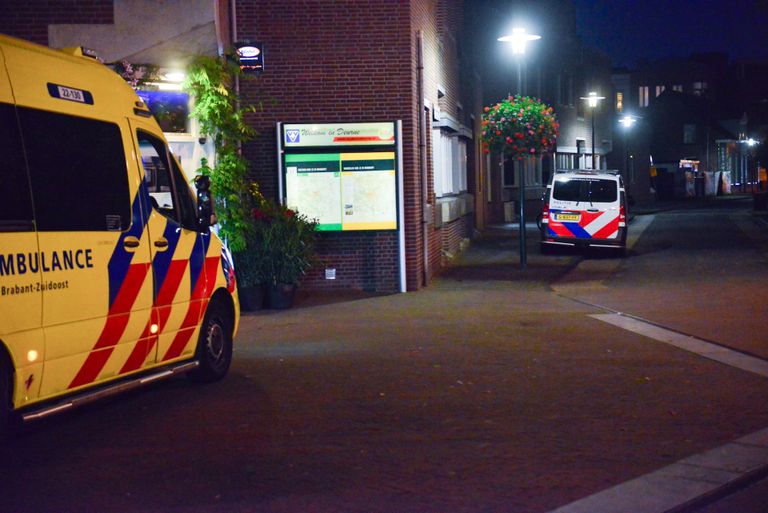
{"x":250,"y":57}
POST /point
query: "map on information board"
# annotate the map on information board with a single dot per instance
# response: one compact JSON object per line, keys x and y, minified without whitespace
{"x":344,"y":191}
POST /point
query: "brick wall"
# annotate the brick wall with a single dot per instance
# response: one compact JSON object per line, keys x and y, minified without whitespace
{"x":346,"y":61}
{"x":341,"y":61}
{"x":453,"y":235}
{"x":29,"y":19}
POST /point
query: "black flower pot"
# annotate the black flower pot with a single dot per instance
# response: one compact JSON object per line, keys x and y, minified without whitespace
{"x":280,"y":295}
{"x":251,"y":298}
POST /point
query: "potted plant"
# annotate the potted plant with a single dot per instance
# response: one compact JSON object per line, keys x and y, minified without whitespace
{"x":283,"y":249}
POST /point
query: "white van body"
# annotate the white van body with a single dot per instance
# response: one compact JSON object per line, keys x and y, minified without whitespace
{"x":585,"y":208}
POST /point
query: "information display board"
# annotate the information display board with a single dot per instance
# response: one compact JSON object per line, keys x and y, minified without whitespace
{"x":344,"y":175}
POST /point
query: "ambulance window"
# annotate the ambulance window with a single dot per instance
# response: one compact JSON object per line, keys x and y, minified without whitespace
{"x":162,"y":180}
{"x":77,"y":171}
{"x":16,"y":206}
{"x":187,"y":201}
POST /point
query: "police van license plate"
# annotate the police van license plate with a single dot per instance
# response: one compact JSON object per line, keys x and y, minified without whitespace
{"x":567,"y":217}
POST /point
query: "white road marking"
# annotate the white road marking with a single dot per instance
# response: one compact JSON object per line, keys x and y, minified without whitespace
{"x":702,"y":348}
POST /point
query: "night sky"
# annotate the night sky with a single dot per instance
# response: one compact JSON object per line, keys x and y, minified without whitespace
{"x":628,"y":30}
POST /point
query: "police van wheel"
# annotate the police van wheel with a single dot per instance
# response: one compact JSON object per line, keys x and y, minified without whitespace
{"x":5,"y":398}
{"x":214,"y":348}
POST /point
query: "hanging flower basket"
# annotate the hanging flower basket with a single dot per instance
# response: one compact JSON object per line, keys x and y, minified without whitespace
{"x":520,"y":127}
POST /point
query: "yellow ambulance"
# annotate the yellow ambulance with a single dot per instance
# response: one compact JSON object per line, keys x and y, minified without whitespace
{"x":110,"y":276}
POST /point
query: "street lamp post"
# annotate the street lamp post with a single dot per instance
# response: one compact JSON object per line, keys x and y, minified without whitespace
{"x":592,"y":98}
{"x":627,"y":121}
{"x":519,"y":38}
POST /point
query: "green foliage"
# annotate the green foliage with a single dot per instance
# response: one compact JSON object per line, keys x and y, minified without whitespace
{"x":210,"y":81}
{"x":282,"y":245}
{"x":519,"y":126}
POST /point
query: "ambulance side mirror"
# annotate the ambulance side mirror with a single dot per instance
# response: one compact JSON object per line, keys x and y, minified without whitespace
{"x":206,"y":217}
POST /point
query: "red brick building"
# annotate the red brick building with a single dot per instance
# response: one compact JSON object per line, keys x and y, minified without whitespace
{"x":360,"y":61}
{"x":342,"y":61}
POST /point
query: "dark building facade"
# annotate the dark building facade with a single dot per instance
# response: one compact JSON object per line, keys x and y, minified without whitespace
{"x":693,"y":115}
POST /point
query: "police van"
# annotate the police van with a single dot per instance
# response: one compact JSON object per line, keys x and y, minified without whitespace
{"x":110,"y":276}
{"x":584,"y":208}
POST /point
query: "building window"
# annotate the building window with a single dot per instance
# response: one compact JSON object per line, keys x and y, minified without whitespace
{"x":564,"y":161}
{"x":678,"y":88}
{"x":659,"y":90}
{"x":449,"y":158}
{"x":689,"y":134}
{"x":643,"y":96}
{"x":619,"y":101}
{"x":170,"y":108}
{"x":699,"y":88}
{"x":581,"y":150}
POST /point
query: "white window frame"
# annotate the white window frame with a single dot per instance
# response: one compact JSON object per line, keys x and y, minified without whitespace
{"x":449,"y":163}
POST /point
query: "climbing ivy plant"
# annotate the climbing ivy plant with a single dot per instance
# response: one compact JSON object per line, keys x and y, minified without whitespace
{"x":211,"y":82}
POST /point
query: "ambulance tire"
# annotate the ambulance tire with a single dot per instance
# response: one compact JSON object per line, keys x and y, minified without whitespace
{"x":214,"y":347}
{"x":5,"y":398}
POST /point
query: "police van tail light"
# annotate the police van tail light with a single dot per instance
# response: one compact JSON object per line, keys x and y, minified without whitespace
{"x":545,"y":212}
{"x":622,"y":215}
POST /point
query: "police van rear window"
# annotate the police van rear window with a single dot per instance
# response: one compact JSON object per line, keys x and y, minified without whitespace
{"x":592,"y":190}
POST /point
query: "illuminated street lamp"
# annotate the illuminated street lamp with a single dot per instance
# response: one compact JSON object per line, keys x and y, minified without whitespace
{"x":592,"y":99}
{"x":519,"y":38}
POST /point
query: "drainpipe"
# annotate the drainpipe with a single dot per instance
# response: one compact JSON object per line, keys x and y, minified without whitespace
{"x":423,"y":155}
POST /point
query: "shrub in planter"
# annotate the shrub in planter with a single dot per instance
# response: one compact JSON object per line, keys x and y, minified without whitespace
{"x":283,"y":248}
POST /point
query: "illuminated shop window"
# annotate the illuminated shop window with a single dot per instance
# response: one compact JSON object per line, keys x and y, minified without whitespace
{"x":170,"y":108}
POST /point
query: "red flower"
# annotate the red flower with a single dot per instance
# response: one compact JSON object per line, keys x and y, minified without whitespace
{"x":289,"y":213}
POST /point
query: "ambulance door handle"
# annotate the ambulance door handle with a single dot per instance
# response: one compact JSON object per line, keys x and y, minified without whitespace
{"x":130,"y":243}
{"x":593,"y":210}
{"x":161,"y":244}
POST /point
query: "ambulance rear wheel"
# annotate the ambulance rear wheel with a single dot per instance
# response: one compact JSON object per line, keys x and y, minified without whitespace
{"x":214,"y":347}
